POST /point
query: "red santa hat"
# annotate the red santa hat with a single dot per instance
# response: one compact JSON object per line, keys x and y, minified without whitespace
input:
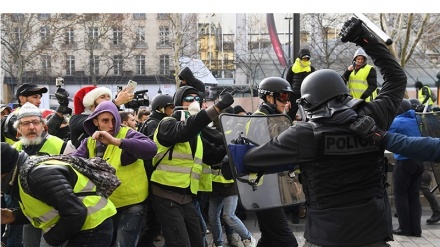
{"x":90,"y":97}
{"x":78,"y":106}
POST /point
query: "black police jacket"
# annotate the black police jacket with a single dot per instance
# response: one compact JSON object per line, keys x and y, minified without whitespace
{"x":332,"y":219}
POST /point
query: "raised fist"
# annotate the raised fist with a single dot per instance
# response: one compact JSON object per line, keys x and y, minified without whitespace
{"x":62,"y":96}
{"x":354,"y":31}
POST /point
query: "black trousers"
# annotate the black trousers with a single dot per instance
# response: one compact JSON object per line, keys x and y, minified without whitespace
{"x":180,"y":223}
{"x":407,"y":180}
{"x":275,"y":230}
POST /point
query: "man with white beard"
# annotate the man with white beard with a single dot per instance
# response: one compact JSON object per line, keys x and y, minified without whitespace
{"x":35,"y":140}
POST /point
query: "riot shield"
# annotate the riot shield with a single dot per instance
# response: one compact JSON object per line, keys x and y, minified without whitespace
{"x":272,"y":188}
{"x":429,"y":124}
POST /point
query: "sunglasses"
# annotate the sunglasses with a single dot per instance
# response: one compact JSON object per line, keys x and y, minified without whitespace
{"x":283,"y":97}
{"x":190,"y":98}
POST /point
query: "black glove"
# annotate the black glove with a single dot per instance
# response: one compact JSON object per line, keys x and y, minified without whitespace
{"x":355,"y":32}
{"x":225,"y":101}
{"x":64,"y":109}
{"x":62,"y":96}
{"x":420,"y":108}
{"x":366,"y":128}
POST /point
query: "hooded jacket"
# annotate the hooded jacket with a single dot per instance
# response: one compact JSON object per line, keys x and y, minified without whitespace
{"x":129,"y":165}
{"x":371,"y":77}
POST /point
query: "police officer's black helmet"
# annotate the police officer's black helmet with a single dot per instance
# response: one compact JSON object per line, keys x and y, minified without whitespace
{"x":272,"y":86}
{"x":320,"y":87}
{"x":161,"y":100}
{"x":405,"y":106}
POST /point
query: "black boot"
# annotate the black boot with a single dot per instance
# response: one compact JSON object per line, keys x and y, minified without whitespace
{"x":434,"y":218}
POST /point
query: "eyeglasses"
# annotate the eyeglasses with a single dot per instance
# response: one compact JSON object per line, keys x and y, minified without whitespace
{"x":283,"y":97}
{"x":33,"y":122}
{"x":190,"y":98}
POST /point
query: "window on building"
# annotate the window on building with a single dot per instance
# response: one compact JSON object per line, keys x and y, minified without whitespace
{"x":44,"y":34}
{"x":18,"y":34}
{"x":163,"y":16}
{"x":93,"y":33}
{"x":140,"y":64}
{"x":139,"y":16}
{"x":117,"y":35}
{"x":164,"y":65}
{"x":70,"y":65}
{"x":18,"y":17}
{"x":44,"y":16}
{"x":45,"y":60}
{"x":164,"y":36}
{"x":140,"y":36}
{"x":94,"y":64}
{"x":69,"y":36}
{"x":117,"y":65}
{"x":68,"y":16}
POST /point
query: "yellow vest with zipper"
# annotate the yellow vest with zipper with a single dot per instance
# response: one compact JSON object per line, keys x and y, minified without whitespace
{"x":134,"y":181}
{"x":182,"y":170}
{"x":357,"y":83}
{"x":45,"y":217}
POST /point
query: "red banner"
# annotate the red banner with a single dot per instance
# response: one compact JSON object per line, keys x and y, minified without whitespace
{"x":275,"y":41}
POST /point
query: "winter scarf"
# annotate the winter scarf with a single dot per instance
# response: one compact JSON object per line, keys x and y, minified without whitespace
{"x":96,"y":169}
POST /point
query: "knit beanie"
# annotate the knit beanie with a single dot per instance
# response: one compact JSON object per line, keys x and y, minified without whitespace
{"x":78,"y":106}
{"x":28,"y":110}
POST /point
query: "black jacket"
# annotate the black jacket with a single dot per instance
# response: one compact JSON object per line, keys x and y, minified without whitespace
{"x":53,"y":185}
{"x":343,"y":225}
{"x":172,"y":131}
{"x":77,"y":132}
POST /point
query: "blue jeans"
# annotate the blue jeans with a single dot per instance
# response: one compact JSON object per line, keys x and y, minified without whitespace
{"x":128,"y":225}
{"x":228,"y":204}
{"x":15,"y":232}
{"x":201,"y":219}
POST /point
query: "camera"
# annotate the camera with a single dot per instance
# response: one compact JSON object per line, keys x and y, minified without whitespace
{"x":140,"y":99}
{"x":59,"y":81}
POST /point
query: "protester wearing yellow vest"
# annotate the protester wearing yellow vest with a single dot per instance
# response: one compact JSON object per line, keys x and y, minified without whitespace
{"x":181,"y":153}
{"x":361,"y":78}
{"x":425,"y":95}
{"x":57,"y":198}
{"x":123,"y":148}
{"x":301,"y":68}
{"x":34,"y":140}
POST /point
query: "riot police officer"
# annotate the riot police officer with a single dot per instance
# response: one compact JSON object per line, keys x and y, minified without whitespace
{"x":343,"y":176}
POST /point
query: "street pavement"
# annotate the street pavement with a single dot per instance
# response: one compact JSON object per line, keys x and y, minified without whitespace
{"x":430,"y":233}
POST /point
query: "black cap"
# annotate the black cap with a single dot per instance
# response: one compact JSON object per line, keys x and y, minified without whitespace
{"x":27,"y":89}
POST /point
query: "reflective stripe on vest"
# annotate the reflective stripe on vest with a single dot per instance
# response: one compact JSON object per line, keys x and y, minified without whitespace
{"x":45,"y":217}
{"x":182,"y":170}
{"x":134,"y":181}
{"x":357,"y":83}
{"x":52,"y":145}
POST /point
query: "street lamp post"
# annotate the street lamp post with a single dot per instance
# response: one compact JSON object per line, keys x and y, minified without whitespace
{"x":289,"y":57}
